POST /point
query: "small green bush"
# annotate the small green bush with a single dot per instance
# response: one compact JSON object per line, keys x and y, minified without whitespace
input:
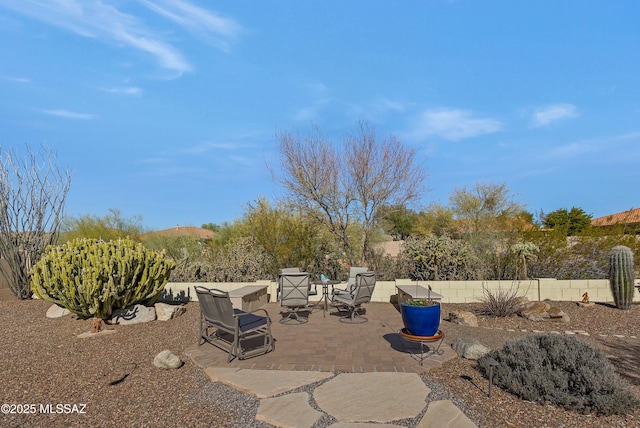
{"x":562,"y":370}
{"x":91,"y":278}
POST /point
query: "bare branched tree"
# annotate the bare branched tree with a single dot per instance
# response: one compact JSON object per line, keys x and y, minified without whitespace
{"x":348,"y":184}
{"x":33,"y":190}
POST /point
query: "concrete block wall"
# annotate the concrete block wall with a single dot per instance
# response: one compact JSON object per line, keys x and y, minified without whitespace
{"x":452,"y":291}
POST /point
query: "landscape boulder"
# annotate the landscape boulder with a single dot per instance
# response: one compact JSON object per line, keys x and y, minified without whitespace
{"x":165,"y":311}
{"x":535,"y":311}
{"x":167,"y":360}
{"x":557,"y":314}
{"x":133,"y":315}
{"x":543,"y":311}
{"x":521,"y":302}
{"x":56,"y":311}
{"x":463,"y":318}
{"x":470,"y":348}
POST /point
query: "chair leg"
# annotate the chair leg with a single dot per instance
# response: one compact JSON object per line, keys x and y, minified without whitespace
{"x":233,"y":351}
{"x":293,"y":316}
{"x":353,"y":317}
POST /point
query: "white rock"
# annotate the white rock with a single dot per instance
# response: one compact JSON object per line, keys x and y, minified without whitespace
{"x":56,"y":311}
{"x":167,"y":360}
{"x":165,"y":311}
{"x":133,"y":315}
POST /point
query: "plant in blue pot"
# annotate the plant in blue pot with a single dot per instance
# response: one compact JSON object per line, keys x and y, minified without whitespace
{"x":421,"y":317}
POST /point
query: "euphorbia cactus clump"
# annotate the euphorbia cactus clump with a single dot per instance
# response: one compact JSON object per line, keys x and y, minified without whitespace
{"x":90,"y":277}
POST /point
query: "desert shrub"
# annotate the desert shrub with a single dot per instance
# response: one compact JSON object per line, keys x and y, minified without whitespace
{"x":501,"y":302}
{"x":388,"y":268}
{"x":577,"y":257}
{"x":91,"y":278}
{"x":192,"y":256}
{"x":440,"y":258}
{"x":241,"y":260}
{"x":193,"y":272}
{"x":109,"y":227}
{"x":562,"y":370}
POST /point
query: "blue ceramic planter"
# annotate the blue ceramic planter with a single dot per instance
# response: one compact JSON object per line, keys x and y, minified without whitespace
{"x":421,"y":320}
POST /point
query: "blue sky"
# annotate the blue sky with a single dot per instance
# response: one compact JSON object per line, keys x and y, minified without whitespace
{"x":168,"y":109}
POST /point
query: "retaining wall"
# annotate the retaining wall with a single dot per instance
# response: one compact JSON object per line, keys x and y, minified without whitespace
{"x":452,"y":291}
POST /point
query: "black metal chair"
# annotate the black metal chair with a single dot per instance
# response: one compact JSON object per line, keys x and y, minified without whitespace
{"x":242,"y":334}
{"x":293,"y":293}
{"x":351,"y":303}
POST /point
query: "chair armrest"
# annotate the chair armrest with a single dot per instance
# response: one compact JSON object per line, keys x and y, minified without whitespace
{"x":253,"y":312}
{"x":313,"y":292}
{"x":339,"y":290}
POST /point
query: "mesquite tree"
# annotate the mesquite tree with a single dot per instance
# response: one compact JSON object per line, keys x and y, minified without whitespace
{"x":33,"y":190}
{"x":345,"y":185}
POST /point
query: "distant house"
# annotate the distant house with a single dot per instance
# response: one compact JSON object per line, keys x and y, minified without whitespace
{"x":390,"y":248}
{"x":630,"y":219}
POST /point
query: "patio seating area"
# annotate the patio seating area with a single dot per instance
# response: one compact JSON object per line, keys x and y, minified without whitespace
{"x":357,"y":349}
{"x":326,"y":344}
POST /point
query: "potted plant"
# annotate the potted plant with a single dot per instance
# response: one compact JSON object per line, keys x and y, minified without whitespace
{"x":421,"y":317}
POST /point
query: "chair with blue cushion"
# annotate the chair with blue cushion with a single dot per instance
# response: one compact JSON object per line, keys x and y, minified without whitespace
{"x":242,"y":334}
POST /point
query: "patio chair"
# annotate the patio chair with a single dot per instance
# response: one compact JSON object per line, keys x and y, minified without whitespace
{"x":293,"y":293}
{"x":351,"y":281}
{"x":242,"y":334}
{"x":313,"y":288}
{"x":351,"y":303}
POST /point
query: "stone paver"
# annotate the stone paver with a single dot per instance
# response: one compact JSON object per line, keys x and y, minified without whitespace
{"x":372,"y":397}
{"x":444,"y":414}
{"x":362,"y":425}
{"x":291,"y":410}
{"x":325,"y":344}
{"x":377,"y":379}
{"x":265,"y":383}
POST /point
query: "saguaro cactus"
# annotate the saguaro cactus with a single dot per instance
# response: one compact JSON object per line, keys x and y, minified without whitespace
{"x":621,"y":276}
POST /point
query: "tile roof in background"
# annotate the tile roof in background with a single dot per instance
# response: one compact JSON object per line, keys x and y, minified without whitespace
{"x":625,"y":217}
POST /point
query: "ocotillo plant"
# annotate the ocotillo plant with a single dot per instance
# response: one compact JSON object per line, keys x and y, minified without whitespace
{"x":621,"y":276}
{"x":91,"y":277}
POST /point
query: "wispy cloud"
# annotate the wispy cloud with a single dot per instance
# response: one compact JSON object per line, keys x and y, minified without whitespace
{"x":197,"y":20}
{"x":127,"y":90}
{"x":17,"y":79}
{"x":306,"y":114}
{"x":623,"y":143}
{"x":66,"y":114}
{"x":385,"y":104}
{"x":545,"y":115}
{"x":212,"y":146}
{"x":103,"y":21}
{"x":453,"y":124}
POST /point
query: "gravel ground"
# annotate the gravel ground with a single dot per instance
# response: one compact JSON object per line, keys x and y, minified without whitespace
{"x":469,"y":388}
{"x":112,"y":381}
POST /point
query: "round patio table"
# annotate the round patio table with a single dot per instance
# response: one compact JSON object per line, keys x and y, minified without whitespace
{"x":325,"y":293}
